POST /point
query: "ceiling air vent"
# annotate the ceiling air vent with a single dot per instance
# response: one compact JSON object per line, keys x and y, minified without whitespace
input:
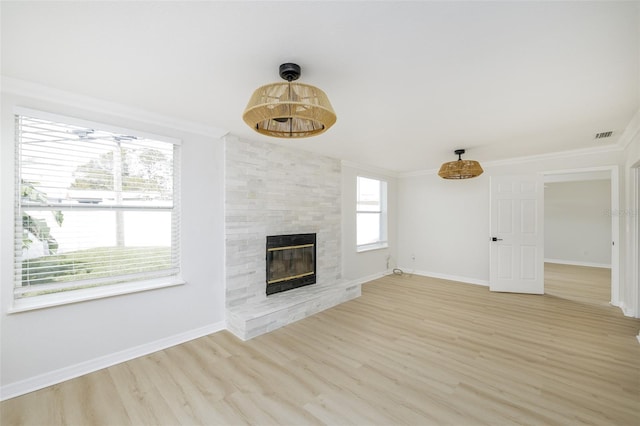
{"x":603,"y":135}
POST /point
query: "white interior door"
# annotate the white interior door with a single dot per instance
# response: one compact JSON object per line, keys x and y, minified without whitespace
{"x":517,"y":237}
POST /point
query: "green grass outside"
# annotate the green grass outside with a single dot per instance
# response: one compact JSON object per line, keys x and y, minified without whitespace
{"x":92,"y":263}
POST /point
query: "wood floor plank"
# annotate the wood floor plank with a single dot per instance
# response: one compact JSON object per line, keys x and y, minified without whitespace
{"x":410,"y":351}
{"x":92,"y":399}
{"x":139,"y":395}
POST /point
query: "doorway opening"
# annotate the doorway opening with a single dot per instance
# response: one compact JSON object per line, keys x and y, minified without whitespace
{"x":582,"y":235}
{"x":585,"y":285}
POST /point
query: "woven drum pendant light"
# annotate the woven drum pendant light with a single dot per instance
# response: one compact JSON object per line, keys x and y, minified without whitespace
{"x":288,"y":109}
{"x":460,"y":169}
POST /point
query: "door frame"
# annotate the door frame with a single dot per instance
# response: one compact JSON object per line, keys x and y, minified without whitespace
{"x":615,"y":220}
{"x":634,"y":240}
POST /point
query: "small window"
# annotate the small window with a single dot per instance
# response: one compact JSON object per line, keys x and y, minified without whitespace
{"x":371,"y":214}
{"x":94,"y":207}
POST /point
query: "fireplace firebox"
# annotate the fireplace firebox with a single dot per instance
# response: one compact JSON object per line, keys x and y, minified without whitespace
{"x":291,"y":262}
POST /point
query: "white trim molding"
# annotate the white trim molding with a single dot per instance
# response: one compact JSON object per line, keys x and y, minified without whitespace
{"x":578,"y":263}
{"x":627,"y":311}
{"x":448,"y":277}
{"x":632,"y":232}
{"x":372,"y":277}
{"x":92,"y":293}
{"x":376,"y":171}
{"x":22,"y":387}
{"x":630,"y":132}
{"x":37,"y":91}
{"x":528,"y":159}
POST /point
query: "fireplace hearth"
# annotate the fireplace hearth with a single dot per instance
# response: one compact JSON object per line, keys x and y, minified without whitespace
{"x":291,"y":262}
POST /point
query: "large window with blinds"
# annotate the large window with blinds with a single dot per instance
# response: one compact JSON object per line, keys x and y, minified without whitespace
{"x":95,"y":206}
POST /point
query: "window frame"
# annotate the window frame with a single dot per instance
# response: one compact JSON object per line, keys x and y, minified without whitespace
{"x":105,"y":290}
{"x":382,"y":242}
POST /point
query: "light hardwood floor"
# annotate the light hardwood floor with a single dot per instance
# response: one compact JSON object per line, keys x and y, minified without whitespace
{"x":411,"y":350}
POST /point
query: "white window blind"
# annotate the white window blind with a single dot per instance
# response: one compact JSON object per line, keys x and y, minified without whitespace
{"x":93,"y":207}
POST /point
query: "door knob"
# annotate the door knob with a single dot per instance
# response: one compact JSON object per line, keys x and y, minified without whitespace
{"x":496,"y":239}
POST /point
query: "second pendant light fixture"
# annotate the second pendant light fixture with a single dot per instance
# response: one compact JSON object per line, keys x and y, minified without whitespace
{"x":460,"y":169}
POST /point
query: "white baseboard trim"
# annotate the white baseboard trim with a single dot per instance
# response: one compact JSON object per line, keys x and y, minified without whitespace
{"x":578,"y":263}
{"x":22,"y":387}
{"x":626,"y":310}
{"x":458,"y":278}
{"x":371,"y":277}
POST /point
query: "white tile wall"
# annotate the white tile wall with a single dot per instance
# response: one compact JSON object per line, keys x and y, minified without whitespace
{"x":274,"y":190}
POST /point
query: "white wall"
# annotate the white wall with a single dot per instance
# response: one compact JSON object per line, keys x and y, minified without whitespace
{"x":445,"y":224}
{"x":443,"y":227}
{"x":373,"y":263}
{"x":45,"y":346}
{"x":577,"y":222}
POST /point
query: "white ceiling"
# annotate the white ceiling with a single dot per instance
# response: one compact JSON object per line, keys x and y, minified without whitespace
{"x":410,"y":81}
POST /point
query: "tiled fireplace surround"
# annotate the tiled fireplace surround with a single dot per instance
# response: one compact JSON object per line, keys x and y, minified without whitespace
{"x":273,"y":190}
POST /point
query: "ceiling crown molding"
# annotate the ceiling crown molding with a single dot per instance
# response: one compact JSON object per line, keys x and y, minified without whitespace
{"x":370,"y":169}
{"x":554,"y":155}
{"x":630,"y":132}
{"x":529,"y":159}
{"x":37,"y":91}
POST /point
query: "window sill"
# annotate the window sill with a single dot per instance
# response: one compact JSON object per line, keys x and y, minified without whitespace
{"x":64,"y":298}
{"x":371,"y":247}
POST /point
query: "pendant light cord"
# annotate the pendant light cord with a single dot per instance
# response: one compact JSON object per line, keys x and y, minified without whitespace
{"x":290,"y":115}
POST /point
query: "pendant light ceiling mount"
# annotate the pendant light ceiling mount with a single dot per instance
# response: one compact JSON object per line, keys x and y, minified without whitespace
{"x":290,"y":72}
{"x":460,"y":169}
{"x":288,"y":109}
